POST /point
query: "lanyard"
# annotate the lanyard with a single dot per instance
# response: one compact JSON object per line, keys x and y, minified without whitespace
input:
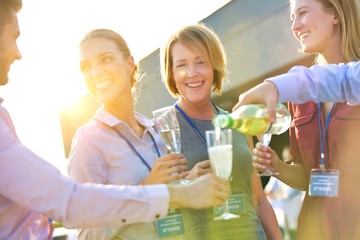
{"x":134,"y":149}
{"x":192,"y":124}
{"x":323,"y":137}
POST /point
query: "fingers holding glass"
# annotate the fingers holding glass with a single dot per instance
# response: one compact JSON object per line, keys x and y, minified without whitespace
{"x":167,"y":123}
{"x":262,"y":160}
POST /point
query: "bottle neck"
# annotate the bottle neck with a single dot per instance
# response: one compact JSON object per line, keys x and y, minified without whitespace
{"x":223,"y":121}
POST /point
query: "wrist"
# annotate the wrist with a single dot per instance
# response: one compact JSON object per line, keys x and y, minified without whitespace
{"x":273,"y":89}
{"x":280,"y":166}
{"x":177,"y":194}
{"x":143,"y":182}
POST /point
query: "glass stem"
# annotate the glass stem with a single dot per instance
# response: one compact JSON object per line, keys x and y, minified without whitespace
{"x":226,"y":208}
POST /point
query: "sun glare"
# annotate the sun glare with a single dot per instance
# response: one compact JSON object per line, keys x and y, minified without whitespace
{"x":48,"y":80}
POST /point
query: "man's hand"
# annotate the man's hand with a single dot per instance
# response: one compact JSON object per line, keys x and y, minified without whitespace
{"x":204,"y":192}
{"x":264,"y":93}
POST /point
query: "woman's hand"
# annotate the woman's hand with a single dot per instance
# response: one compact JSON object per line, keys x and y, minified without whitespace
{"x":265,"y":158}
{"x":169,"y":168}
{"x":201,"y":168}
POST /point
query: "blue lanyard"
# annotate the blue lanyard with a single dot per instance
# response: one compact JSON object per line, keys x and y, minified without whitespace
{"x":192,"y":124}
{"x":134,"y":149}
{"x":323,"y":137}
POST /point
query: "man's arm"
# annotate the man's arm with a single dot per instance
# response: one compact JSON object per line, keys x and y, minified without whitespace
{"x":29,"y":183}
{"x":331,"y":82}
{"x":35,"y":184}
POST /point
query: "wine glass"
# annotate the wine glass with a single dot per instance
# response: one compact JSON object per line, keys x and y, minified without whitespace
{"x":265,"y":140}
{"x":168,"y":125}
{"x":219,"y":144}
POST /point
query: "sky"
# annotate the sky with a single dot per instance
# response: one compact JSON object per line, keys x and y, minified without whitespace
{"x":47,"y":79}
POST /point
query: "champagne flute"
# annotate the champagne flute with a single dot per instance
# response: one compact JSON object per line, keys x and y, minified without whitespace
{"x":168,"y":125}
{"x":219,"y":144}
{"x":265,"y":140}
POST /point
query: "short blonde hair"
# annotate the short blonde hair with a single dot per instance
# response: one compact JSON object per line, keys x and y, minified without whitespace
{"x":199,"y":38}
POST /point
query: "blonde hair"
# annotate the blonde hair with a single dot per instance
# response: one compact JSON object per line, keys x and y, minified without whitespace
{"x":199,"y":38}
{"x":348,"y":13}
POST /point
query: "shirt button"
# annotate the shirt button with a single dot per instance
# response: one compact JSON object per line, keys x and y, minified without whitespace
{"x":124,"y":220}
{"x":157,"y":216}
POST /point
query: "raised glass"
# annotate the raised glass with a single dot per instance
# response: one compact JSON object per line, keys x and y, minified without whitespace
{"x":166,"y":121}
{"x":265,"y":140}
{"x":220,"y":146}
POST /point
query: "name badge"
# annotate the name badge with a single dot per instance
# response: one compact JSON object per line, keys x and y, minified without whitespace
{"x":236,"y":205}
{"x":170,"y":225}
{"x":324,"y":183}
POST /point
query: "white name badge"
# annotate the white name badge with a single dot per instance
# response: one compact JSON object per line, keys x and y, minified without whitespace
{"x":324,"y":183}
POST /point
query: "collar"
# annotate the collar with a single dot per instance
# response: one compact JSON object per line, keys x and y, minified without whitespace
{"x":104,"y":116}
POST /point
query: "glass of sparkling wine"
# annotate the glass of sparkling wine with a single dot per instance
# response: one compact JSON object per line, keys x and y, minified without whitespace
{"x":219,"y":144}
{"x":168,"y":125}
{"x":265,"y":140}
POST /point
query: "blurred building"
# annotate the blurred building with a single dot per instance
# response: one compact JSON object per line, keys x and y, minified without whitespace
{"x":259,"y":44}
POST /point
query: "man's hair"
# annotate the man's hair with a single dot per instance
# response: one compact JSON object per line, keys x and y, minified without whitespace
{"x":7,"y":7}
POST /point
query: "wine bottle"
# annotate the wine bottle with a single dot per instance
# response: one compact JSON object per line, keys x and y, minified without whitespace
{"x":253,"y":119}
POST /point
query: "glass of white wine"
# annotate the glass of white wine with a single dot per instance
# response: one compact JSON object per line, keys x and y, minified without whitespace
{"x":219,"y":144}
{"x":265,"y":140}
{"x":167,"y":123}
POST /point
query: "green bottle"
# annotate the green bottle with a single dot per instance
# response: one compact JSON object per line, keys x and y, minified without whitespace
{"x":253,"y":119}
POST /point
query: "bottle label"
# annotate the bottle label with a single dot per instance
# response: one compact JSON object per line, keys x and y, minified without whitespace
{"x":230,"y":121}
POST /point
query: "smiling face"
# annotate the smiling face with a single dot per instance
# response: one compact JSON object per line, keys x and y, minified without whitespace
{"x":192,"y":73}
{"x":107,"y":73}
{"x":315,"y":27}
{"x":9,"y":51}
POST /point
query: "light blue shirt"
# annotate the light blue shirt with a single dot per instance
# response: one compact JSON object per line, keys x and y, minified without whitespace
{"x":331,"y":82}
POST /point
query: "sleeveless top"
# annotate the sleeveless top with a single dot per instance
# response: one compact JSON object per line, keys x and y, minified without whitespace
{"x":199,"y":224}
